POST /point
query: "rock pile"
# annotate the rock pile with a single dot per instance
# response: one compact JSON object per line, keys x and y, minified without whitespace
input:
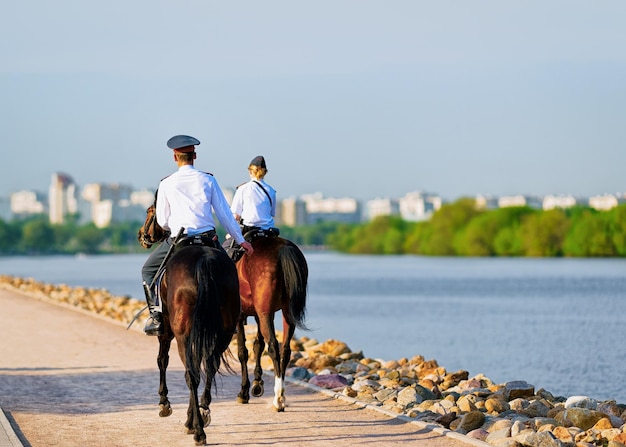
{"x":503,"y":415}
{"x":510,"y":414}
{"x":98,"y":301}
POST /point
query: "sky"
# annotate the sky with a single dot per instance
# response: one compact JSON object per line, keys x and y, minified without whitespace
{"x":350,"y":98}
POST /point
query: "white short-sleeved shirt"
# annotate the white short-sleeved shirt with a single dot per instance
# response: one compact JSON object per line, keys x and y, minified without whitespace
{"x":185,"y":200}
{"x":256,"y":204}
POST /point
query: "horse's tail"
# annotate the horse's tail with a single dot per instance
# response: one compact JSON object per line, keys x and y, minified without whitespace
{"x":208,"y":339}
{"x":295,"y":277}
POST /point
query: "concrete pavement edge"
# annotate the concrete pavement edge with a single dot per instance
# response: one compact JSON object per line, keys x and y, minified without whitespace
{"x":8,"y":437}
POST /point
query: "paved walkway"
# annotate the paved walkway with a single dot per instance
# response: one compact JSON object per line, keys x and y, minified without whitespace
{"x":69,"y":378}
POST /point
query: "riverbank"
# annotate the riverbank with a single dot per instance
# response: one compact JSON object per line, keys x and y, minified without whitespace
{"x":413,"y":389}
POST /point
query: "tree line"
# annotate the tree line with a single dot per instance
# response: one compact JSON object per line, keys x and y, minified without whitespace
{"x":461,"y":229}
{"x":36,"y":235}
{"x":456,"y":229}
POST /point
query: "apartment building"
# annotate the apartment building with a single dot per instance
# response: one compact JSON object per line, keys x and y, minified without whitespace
{"x":62,"y":199}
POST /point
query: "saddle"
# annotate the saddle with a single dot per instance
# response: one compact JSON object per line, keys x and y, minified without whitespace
{"x":253,"y":233}
{"x":206,"y":239}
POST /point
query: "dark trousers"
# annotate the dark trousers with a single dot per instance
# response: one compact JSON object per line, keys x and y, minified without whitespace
{"x":152,"y":264}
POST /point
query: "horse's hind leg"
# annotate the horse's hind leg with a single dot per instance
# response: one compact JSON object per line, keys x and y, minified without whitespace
{"x":194,"y":423}
{"x":259,"y":347}
{"x":267,"y":329}
{"x":205,"y":403}
{"x":285,"y":358}
{"x":242,"y":351}
{"x":163,"y":359}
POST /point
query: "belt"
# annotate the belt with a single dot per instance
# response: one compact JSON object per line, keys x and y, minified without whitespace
{"x":208,"y":233}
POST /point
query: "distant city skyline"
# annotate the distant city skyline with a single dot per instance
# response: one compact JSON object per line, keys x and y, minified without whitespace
{"x":104,"y":204}
{"x":358,"y":98}
{"x":80,"y":187}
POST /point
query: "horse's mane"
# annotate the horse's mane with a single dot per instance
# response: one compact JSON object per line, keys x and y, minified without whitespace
{"x":151,"y":232}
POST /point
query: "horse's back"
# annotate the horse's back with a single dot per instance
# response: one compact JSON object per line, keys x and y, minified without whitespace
{"x":267,"y":249}
{"x":188,"y":256}
{"x":190,"y":271}
{"x":267,"y":277}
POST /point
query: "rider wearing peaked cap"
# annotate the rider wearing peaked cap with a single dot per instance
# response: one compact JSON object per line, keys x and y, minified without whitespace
{"x":185,"y":201}
{"x":254,"y":203}
{"x":183,"y":143}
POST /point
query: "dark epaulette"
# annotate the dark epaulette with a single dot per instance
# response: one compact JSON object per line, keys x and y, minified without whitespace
{"x":208,"y":173}
{"x":241,"y":184}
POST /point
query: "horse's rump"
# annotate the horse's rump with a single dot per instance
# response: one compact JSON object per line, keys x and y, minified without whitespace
{"x":295,"y":274}
{"x":273,"y":278}
{"x":202,"y":302}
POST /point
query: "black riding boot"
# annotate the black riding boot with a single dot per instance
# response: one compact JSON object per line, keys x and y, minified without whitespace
{"x":154,"y":325}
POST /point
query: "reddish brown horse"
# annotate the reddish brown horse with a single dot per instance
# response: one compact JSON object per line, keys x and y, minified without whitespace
{"x":273,"y":278}
{"x":201,"y":308}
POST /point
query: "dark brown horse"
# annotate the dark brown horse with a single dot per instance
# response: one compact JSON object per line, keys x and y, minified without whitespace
{"x":201,"y":308}
{"x":273,"y":278}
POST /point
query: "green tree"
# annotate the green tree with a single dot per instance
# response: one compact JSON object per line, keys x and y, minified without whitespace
{"x":361,"y":243}
{"x":123,"y":236}
{"x":343,"y":238}
{"x":386,"y":234}
{"x":89,"y":238}
{"x":589,"y":235}
{"x":508,"y":241}
{"x":382,"y":235}
{"x":311,"y":235}
{"x":617,"y":222}
{"x":445,"y":223}
{"x":37,"y":236}
{"x":479,"y":237}
{"x":64,"y":237}
{"x":10,"y":236}
{"x":416,"y":237}
{"x":543,"y":233}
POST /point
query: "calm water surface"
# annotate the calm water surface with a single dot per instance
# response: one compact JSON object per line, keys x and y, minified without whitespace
{"x":559,"y":324}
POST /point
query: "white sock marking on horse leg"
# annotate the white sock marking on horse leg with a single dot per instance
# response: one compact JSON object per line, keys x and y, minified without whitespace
{"x":278,"y":391}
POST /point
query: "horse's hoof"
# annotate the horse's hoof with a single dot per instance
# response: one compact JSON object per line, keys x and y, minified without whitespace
{"x":200,"y":440}
{"x":279,"y":405}
{"x":206,"y":416}
{"x":165,"y":410}
{"x":242,"y":400}
{"x":257,"y":388}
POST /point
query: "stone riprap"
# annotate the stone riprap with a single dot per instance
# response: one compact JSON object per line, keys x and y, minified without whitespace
{"x":509,"y":414}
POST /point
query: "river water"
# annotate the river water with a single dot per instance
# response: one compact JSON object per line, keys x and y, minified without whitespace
{"x":559,"y":324}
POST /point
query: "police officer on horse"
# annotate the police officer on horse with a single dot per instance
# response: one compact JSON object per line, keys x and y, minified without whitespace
{"x":254,"y":207}
{"x":186,"y":200}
